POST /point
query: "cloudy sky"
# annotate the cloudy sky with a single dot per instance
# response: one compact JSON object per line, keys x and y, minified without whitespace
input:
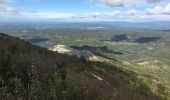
{"x":85,"y":10}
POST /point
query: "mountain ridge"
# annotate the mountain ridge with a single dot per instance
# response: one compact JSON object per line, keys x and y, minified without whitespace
{"x":29,"y":72}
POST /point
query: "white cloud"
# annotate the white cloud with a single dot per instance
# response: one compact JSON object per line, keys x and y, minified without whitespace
{"x":167,"y":9}
{"x":45,"y":15}
{"x":153,"y":1}
{"x":125,"y":3}
{"x":13,"y":1}
{"x":154,"y":11}
{"x":12,"y":10}
{"x":131,"y":12}
{"x":5,"y":7}
{"x":159,"y":10}
{"x":8,"y":9}
{"x":113,"y":3}
{"x":118,"y":14}
{"x":103,"y":15}
{"x":4,"y":1}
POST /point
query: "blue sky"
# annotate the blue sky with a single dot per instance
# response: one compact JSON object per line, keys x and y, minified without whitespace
{"x":85,"y":10}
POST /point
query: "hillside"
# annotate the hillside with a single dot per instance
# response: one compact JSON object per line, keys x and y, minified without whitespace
{"x":29,"y":72}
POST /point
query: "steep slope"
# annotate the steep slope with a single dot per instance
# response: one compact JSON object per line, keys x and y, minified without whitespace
{"x":29,"y":72}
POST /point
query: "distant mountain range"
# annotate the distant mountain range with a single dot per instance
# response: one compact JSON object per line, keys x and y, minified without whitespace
{"x":108,"y":24}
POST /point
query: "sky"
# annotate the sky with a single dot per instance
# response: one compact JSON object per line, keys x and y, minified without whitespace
{"x":84,"y":10}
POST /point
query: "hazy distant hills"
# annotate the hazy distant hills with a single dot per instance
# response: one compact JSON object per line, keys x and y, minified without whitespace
{"x":111,"y":24}
{"x":144,"y":25}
